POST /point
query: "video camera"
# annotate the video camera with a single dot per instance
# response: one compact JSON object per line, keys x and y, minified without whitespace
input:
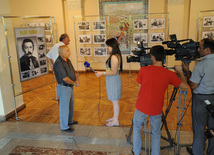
{"x":141,"y":55}
{"x":186,"y":52}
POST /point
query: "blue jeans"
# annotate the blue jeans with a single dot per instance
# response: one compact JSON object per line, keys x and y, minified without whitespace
{"x":138,"y":120}
{"x":66,"y":105}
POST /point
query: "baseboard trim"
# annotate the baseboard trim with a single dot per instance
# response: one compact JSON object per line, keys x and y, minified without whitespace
{"x":12,"y":113}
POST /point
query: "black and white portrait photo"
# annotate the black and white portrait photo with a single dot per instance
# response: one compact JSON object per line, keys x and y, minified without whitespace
{"x":100,"y":51}
{"x":208,"y":34}
{"x":140,"y":24}
{"x":31,"y":48}
{"x":83,"y":26}
{"x":140,"y":37}
{"x":99,"y":25}
{"x":43,"y":70}
{"x":85,"y":51}
{"x":156,"y":37}
{"x":99,"y":38}
{"x":157,"y":23}
{"x":84,"y":39}
{"x":208,"y":21}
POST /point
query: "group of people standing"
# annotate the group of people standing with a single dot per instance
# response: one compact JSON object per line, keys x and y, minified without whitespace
{"x":153,"y":81}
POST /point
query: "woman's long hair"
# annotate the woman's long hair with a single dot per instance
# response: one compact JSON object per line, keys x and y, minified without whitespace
{"x":112,"y":42}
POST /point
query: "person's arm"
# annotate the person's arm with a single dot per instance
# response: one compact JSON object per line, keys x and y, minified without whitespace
{"x":188,"y":75}
{"x":139,"y":85}
{"x":114,"y":67}
{"x":69,"y":81}
{"x":183,"y":84}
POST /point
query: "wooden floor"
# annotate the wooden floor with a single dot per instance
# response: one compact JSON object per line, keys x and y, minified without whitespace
{"x":40,"y":106}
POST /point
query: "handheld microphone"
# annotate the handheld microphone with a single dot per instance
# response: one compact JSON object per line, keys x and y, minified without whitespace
{"x":86,"y":64}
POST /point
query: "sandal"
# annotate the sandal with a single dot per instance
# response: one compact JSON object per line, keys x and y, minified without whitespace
{"x":110,"y":124}
{"x":109,"y":120}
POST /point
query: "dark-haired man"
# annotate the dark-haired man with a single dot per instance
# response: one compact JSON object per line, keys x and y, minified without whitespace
{"x":202,"y":83}
{"x":54,"y":52}
{"x":153,"y":81}
{"x":28,"y":61}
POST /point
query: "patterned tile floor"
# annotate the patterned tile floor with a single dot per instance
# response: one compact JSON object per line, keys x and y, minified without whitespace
{"x":84,"y":138}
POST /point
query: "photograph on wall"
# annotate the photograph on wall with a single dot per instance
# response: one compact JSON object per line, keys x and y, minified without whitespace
{"x":156,"y":37}
{"x":99,"y":25}
{"x":48,"y":39}
{"x":100,"y":51}
{"x":157,"y":23}
{"x":31,"y":50}
{"x":85,"y":51}
{"x":33,"y":24}
{"x":208,"y":34}
{"x":46,"y":25}
{"x":208,"y":21}
{"x":83,"y":26}
{"x":140,"y":24}
{"x":99,"y":38}
{"x":139,"y":37}
{"x":84,"y":39}
{"x":119,"y":18}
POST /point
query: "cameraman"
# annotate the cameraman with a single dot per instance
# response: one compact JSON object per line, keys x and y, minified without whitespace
{"x":202,"y":83}
{"x":153,"y":81}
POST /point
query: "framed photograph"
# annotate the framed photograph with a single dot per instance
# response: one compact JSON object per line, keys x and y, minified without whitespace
{"x":33,"y":24}
{"x":208,"y":34}
{"x":85,"y":51}
{"x":99,"y":25}
{"x":99,"y":38}
{"x":157,"y":23}
{"x":208,"y":21}
{"x":140,"y":24}
{"x":84,"y":39}
{"x":46,"y":25}
{"x":100,"y":51}
{"x":48,"y":39}
{"x":83,"y":26}
{"x":140,"y":37}
{"x":156,"y":37}
{"x":31,"y":50}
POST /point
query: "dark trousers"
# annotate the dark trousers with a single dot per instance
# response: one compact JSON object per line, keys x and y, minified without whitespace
{"x":200,"y":119}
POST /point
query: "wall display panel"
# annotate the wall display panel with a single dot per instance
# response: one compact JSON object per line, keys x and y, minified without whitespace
{"x":31,"y":49}
{"x":205,"y":25}
{"x":119,"y":18}
{"x":90,"y":43}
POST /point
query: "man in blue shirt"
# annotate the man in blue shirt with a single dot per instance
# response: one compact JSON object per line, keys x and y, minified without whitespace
{"x":202,"y":83}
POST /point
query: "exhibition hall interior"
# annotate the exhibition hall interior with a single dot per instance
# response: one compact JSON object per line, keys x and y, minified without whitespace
{"x":30,"y":109}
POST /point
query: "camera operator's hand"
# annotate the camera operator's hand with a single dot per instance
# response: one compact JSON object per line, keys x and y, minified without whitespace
{"x":178,"y":69}
{"x":185,"y":67}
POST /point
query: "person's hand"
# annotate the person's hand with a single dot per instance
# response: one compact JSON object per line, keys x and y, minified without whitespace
{"x":98,"y":74}
{"x":185,"y":67}
{"x":77,"y":84}
{"x":178,"y":68}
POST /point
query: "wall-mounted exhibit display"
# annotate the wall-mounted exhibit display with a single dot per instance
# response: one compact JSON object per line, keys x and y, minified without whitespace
{"x":157,"y":23}
{"x":140,"y":37}
{"x":85,"y":51}
{"x":48,"y":39}
{"x":208,"y":21}
{"x":45,"y":24}
{"x":84,"y":39}
{"x":140,"y":24}
{"x":119,"y":18}
{"x":100,"y":51}
{"x":99,"y":25}
{"x":31,"y":51}
{"x":208,"y":34}
{"x":83,"y":26}
{"x":156,"y":37}
{"x":99,"y":38}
